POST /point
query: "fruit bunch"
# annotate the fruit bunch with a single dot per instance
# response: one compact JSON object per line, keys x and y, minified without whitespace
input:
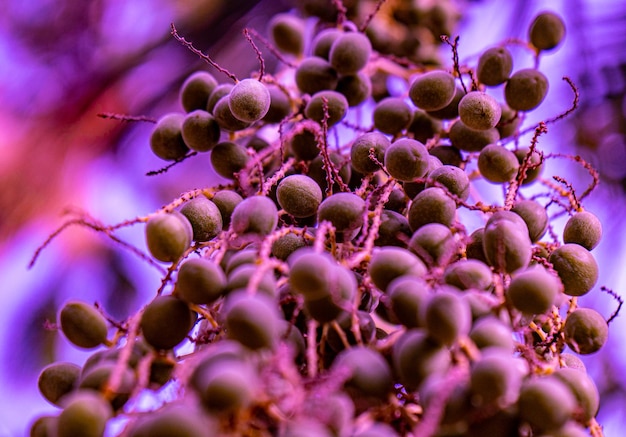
{"x":330,"y":286}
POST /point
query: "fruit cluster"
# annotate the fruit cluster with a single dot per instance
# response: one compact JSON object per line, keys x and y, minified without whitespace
{"x":330,"y":287}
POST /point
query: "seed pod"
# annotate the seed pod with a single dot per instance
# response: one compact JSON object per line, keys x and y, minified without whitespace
{"x":83,"y":325}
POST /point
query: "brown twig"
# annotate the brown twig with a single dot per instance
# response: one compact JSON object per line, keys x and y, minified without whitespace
{"x":167,"y":167}
{"x":124,"y":117}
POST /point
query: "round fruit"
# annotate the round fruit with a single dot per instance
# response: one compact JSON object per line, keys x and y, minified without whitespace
{"x":166,"y":140}
{"x":448,"y":317}
{"x":497,"y":164}
{"x":406,"y":159}
{"x":57,"y":380}
{"x":166,"y":321}
{"x":432,"y":91}
{"x":287,"y":33}
{"x":479,"y":111}
{"x":360,"y":152}
{"x":200,"y":281}
{"x":299,"y":195}
{"x":494,"y":66}
{"x":195,"y":91}
{"x":83,"y":325}
{"x":345,"y":211}
{"x":168,"y":236}
{"x":533,"y":290}
{"x":315,"y":74}
{"x":538,"y":398}
{"x":85,"y":414}
{"x":392,"y":115}
{"x":200,"y":131}
{"x":254,"y":215}
{"x":252,"y":320}
{"x":471,"y":140}
{"x":585,"y":331}
{"x":432,"y":205}
{"x":389,"y":263}
{"x":335,"y":103}
{"x":350,"y":52}
{"x":534,"y":215}
{"x":249,"y":100}
{"x":205,"y":218}
{"x":526,"y":89}
{"x":546,"y":31}
{"x":576,"y":267}
{"x":583,"y":228}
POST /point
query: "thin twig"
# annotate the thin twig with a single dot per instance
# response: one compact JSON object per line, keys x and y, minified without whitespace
{"x":124,"y":117}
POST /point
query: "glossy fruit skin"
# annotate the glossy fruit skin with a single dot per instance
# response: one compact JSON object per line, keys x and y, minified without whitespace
{"x":166,"y":140}
{"x":85,"y":413}
{"x":168,"y":236}
{"x":205,"y":218}
{"x":494,"y":66}
{"x":533,"y":290}
{"x":583,"y":228}
{"x":526,"y":89}
{"x":415,"y":356}
{"x":166,"y":321}
{"x":57,"y":380}
{"x":299,"y":195}
{"x":82,"y":324}
{"x":432,"y":91}
{"x":576,"y":267}
{"x":585,"y":331}
{"x":494,"y":380}
{"x":546,"y":31}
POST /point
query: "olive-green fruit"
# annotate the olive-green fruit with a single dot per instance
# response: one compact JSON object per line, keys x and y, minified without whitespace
{"x":360,"y":152}
{"x":355,"y":87}
{"x":446,"y":155}
{"x":323,"y":41}
{"x":546,"y":31}
{"x":471,"y":140}
{"x":408,"y":296}
{"x":576,"y":267}
{"x":299,"y":195}
{"x":389,"y":263}
{"x":303,"y":141}
{"x":174,"y":420}
{"x":495,"y":381}
{"x":310,"y":272}
{"x":225,"y":117}
{"x":368,"y":371}
{"x":345,"y":211}
{"x":535,"y":216}
{"x":317,"y":170}
{"x":285,"y":245}
{"x":583,"y":228}
{"x":509,"y":123}
{"x":535,"y":164}
{"x":454,"y":179}
{"x":406,"y":159}
{"x":82,"y":324}
{"x":469,"y":273}
{"x":570,"y":429}
{"x":451,"y":110}
{"x":533,"y":290}
{"x":423,"y":126}
{"x":435,"y":244}
{"x":538,"y":398}
{"x":44,"y":426}
{"x":237,"y":258}
{"x":315,"y":74}
{"x":350,"y":52}
{"x":491,"y":332}
{"x":585,"y":331}
{"x":394,"y":229}
{"x":97,"y":378}
{"x":200,"y":281}
{"x":252,"y":320}
{"x":415,"y":356}
{"x":494,"y":66}
{"x":249,"y":100}
{"x":584,"y":390}
{"x":166,"y":139}
{"x":218,"y":92}
{"x":226,"y":201}
{"x":195,"y":91}
{"x":287,"y":33}
{"x":57,"y":380}
{"x":168,"y":236}
{"x":280,"y":105}
{"x":447,"y":316}
{"x":85,"y":414}
{"x":432,"y":205}
{"x":240,"y":277}
{"x":226,"y":386}
{"x":204,"y":216}
{"x":228,"y":158}
{"x":166,"y":321}
{"x":506,"y":244}
{"x":200,"y":131}
{"x":254,"y":215}
{"x":432,"y":91}
{"x":392,"y":115}
{"x":497,"y":164}
{"x":326,"y":102}
{"x":377,"y":429}
{"x":526,"y":89}
{"x":479,"y":111}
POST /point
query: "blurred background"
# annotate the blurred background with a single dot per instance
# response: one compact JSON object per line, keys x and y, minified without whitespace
{"x":62,"y":62}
